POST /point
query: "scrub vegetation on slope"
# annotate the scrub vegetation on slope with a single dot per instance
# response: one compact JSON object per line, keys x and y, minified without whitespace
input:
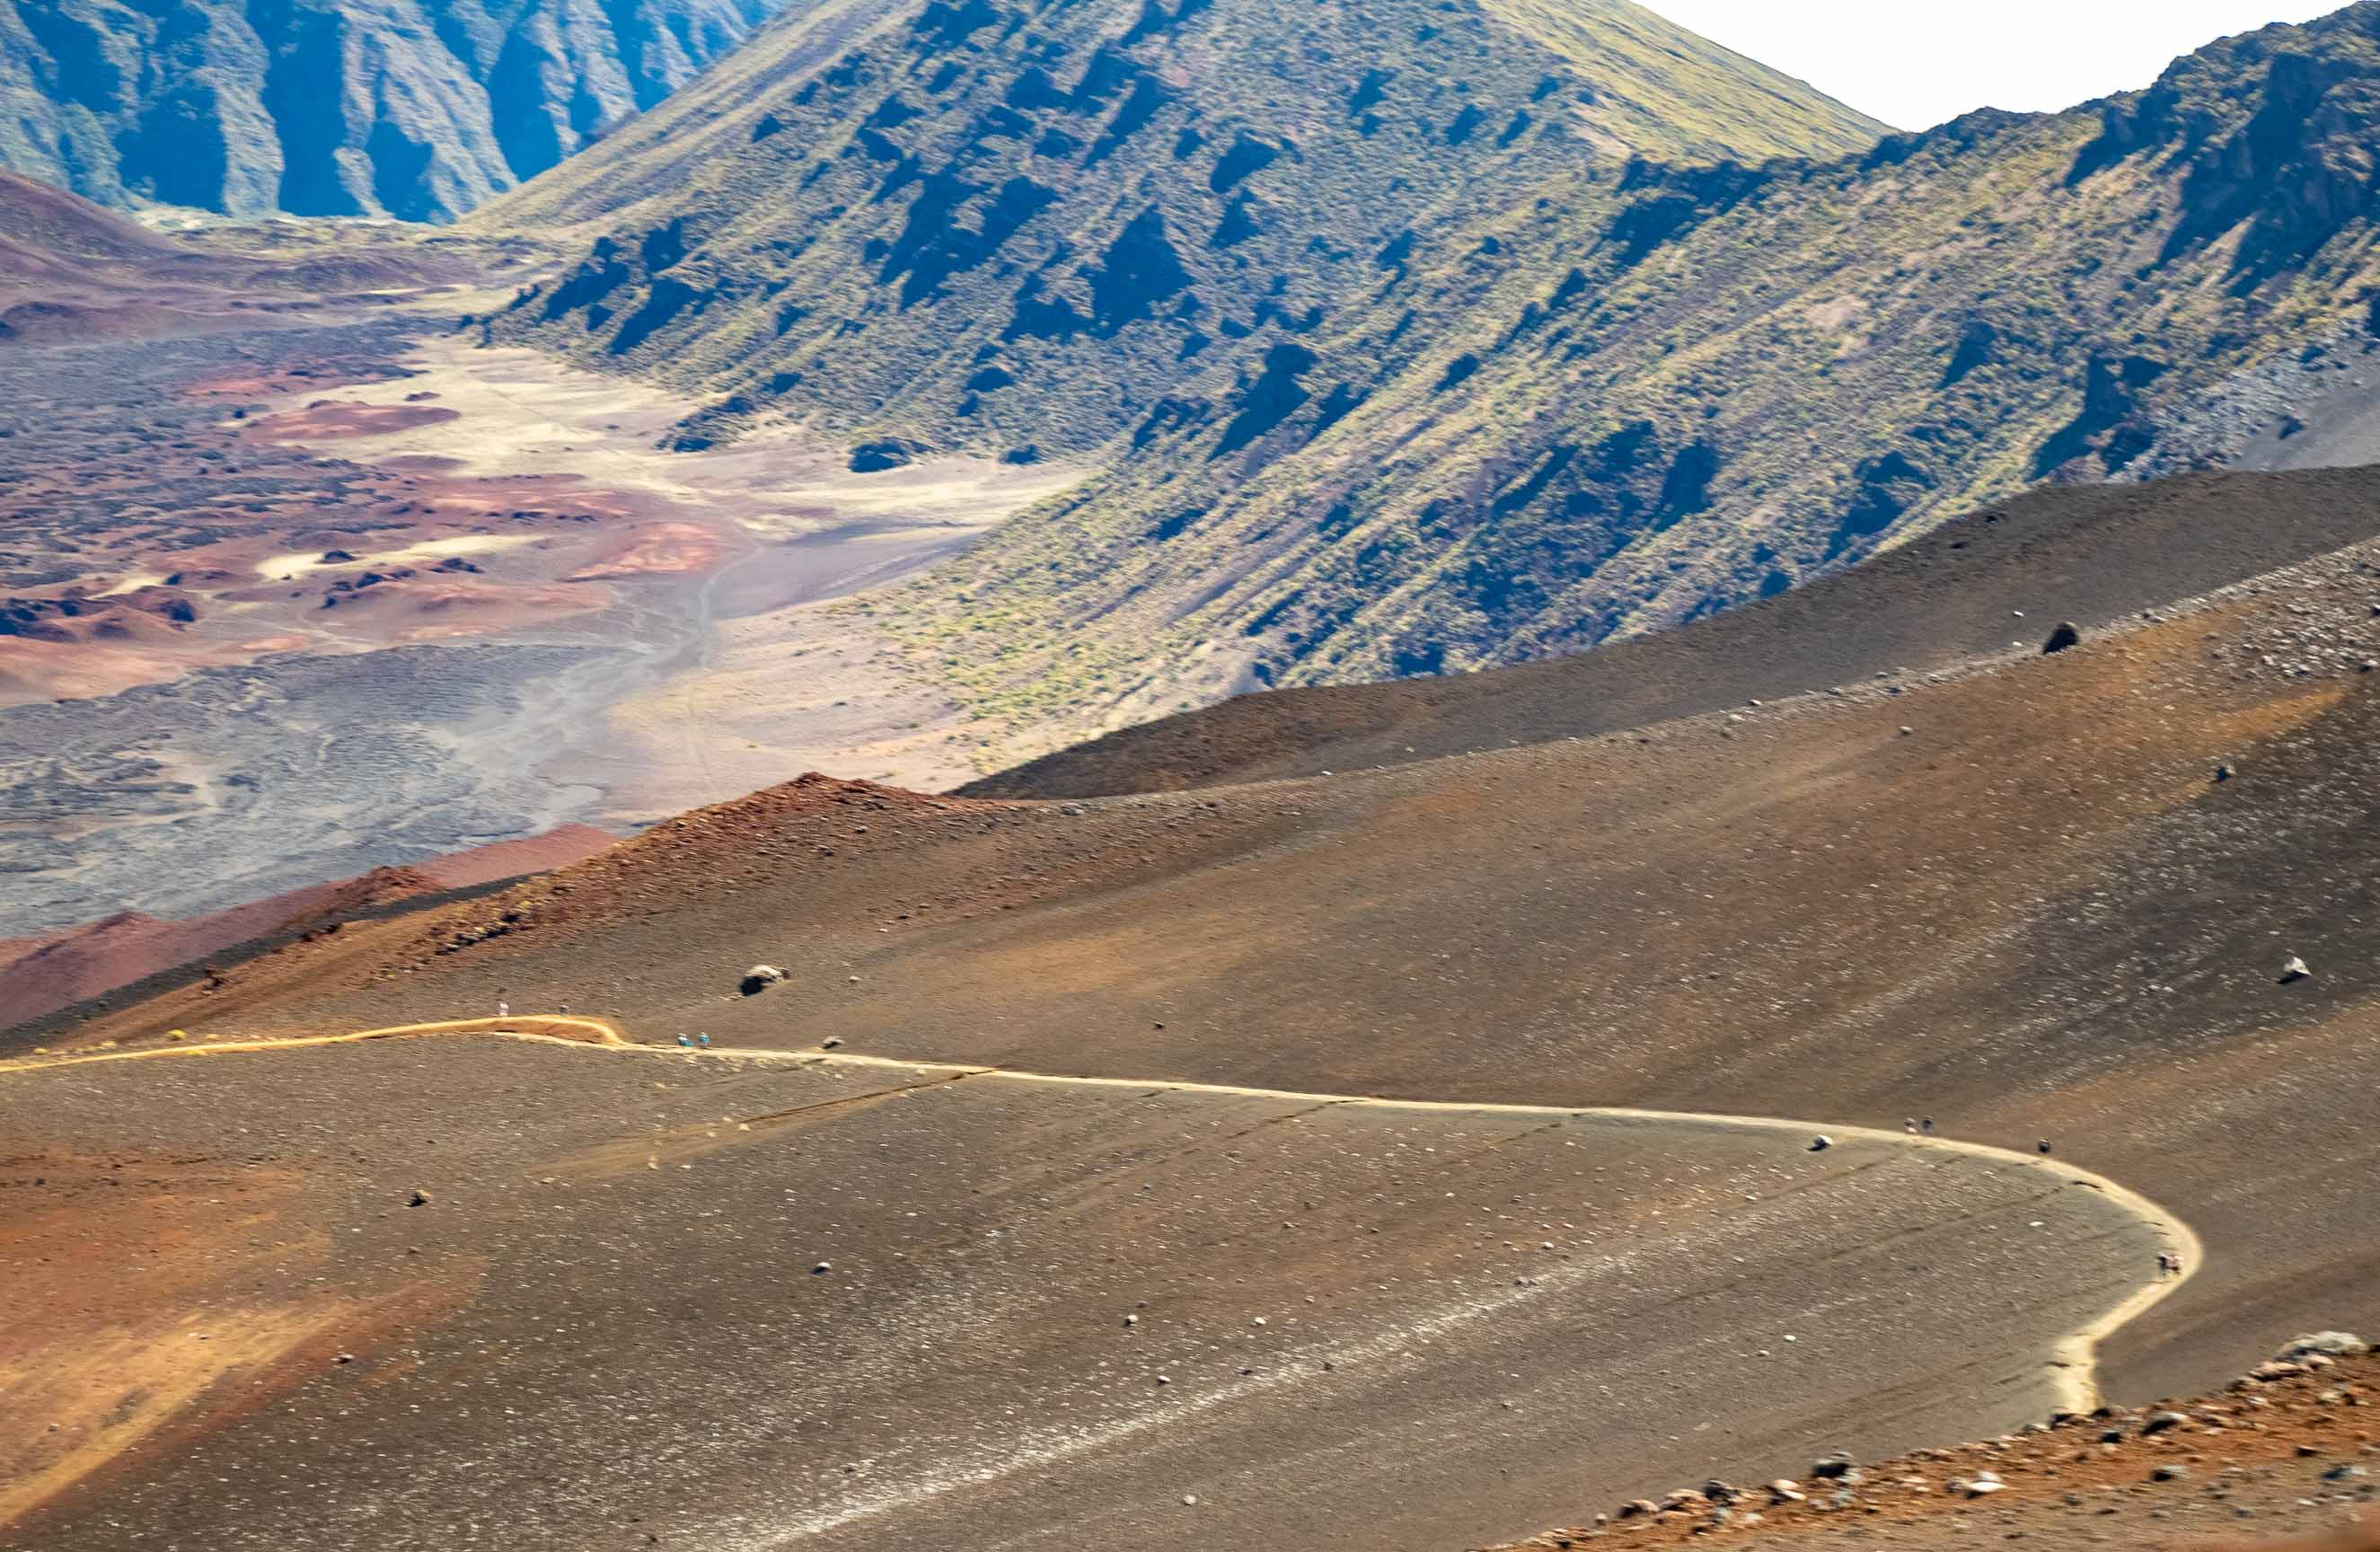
{"x":1391,"y":373}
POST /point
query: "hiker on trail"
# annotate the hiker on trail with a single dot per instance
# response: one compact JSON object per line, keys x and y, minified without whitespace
{"x":2043,"y":1146}
{"x":684,"y":1041}
{"x":503,"y":1009}
{"x":1909,"y":1124}
{"x":1928,"y":1124}
{"x":2164,"y":1264}
{"x":702,"y":1040}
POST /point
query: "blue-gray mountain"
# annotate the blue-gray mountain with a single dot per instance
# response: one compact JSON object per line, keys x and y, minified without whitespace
{"x":418,"y":109}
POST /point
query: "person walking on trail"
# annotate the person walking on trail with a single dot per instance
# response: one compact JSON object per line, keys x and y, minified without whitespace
{"x":503,"y":1009}
{"x":1928,"y":1124}
{"x":2043,"y":1146}
{"x":1909,"y":1124}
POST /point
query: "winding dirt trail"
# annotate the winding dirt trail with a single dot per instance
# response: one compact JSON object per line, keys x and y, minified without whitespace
{"x":2073,"y":1360}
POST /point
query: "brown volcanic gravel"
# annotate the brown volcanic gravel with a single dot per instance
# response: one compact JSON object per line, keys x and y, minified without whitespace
{"x":2294,"y":1457}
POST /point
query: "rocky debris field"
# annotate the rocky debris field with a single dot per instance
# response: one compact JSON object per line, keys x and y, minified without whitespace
{"x":2287,"y":1449}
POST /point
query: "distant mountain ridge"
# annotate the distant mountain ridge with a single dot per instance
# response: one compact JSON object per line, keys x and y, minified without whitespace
{"x":418,"y":109}
{"x":1403,"y":342}
{"x":1024,"y":226}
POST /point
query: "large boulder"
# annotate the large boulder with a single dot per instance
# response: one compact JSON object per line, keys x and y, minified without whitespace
{"x":760,"y":978}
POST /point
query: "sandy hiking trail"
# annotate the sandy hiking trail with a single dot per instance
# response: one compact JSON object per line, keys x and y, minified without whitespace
{"x":2073,"y":1379}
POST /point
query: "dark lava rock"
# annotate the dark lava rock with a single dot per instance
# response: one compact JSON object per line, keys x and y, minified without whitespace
{"x":875,"y":457}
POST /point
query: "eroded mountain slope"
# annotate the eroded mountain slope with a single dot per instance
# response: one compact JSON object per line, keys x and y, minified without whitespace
{"x":1022,"y":228}
{"x":1568,"y":423}
{"x":1392,"y":373}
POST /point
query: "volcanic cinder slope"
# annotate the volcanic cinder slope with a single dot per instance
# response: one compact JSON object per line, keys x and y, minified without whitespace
{"x":2012,"y":893}
{"x":418,"y":109}
{"x":1453,"y":360}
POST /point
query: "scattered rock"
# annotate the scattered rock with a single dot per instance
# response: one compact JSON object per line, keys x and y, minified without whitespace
{"x":2159,"y":1422}
{"x":1638,"y":1509}
{"x":1821,"y":1142}
{"x":1833,"y":1468}
{"x":875,"y":457}
{"x":2068,"y":634}
{"x":2295,"y":970}
{"x":419,"y":1199}
{"x":760,"y":978}
{"x":2170,"y":1471}
{"x":822,"y":1268}
{"x":2330,"y":1344}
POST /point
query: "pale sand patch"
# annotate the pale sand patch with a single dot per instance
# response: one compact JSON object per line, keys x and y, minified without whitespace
{"x":525,"y":412}
{"x":133,"y":582}
{"x":282,"y":568}
{"x":101,"y":1395}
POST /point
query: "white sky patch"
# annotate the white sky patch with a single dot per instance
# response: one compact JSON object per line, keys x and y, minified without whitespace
{"x":1915,"y":66}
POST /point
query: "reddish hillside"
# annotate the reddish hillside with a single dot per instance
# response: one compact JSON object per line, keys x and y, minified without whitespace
{"x":41,"y":974}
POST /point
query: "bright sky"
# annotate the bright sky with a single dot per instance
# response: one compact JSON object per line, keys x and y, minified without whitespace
{"x":1915,"y":63}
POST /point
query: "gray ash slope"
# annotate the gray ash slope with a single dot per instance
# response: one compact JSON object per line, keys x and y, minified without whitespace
{"x":418,"y":109}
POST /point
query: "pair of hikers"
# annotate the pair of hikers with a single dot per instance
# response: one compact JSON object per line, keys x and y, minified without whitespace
{"x":2168,"y":1265}
{"x":1912,"y":1125}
